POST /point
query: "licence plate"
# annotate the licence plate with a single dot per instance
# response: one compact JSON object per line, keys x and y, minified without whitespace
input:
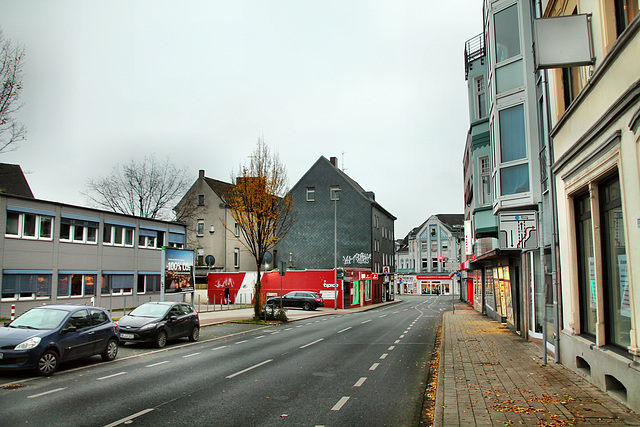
{"x":126,"y":336}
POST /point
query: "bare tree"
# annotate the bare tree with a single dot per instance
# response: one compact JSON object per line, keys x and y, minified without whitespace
{"x":148,"y":189}
{"x":261,"y":206}
{"x":11,"y":61}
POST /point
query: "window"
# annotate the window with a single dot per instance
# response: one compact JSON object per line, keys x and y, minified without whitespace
{"x":118,"y":234}
{"x":236,"y":258}
{"x":98,"y":317}
{"x":311,"y":194}
{"x":200,"y":228}
{"x":148,"y":238}
{"x":424,"y":246}
{"x":117,"y":283}
{"x":200,"y":199}
{"x":480,"y":98}
{"x":434,"y":264}
{"x":78,"y":230}
{"x":29,"y":225}
{"x":76,"y":284}
{"x":514,"y":179}
{"x":512,"y":134}
{"x":445,"y":245}
{"x":625,"y":11}
{"x":176,"y":239}
{"x":485,"y":180}
{"x":334,"y":192}
{"x":26,"y":285}
{"x":80,"y":320}
{"x":236,"y":229}
{"x":148,"y":282}
{"x":425,"y":264}
{"x":507,"y":33}
{"x":586,"y":265}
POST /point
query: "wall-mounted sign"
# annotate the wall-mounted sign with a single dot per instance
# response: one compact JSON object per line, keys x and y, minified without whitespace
{"x":518,"y":230}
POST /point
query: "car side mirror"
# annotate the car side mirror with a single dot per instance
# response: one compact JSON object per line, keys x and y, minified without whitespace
{"x":6,"y":323}
{"x":173,"y":317}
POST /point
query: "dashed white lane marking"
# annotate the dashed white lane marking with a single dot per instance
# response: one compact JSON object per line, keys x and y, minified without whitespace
{"x":360,"y":382}
{"x":384,"y":355}
{"x":401,"y":336}
{"x":366,"y":321}
{"x":218,"y":348}
{"x":312,"y":343}
{"x":383,"y":315}
{"x":190,"y":355}
{"x":157,"y":364}
{"x":396,"y":341}
{"x":374,"y":366}
{"x":340,"y":403}
{"x":261,"y":336}
{"x":241,"y":342}
{"x":33,"y":396}
{"x":111,"y":376}
{"x":345,"y":329}
{"x":392,"y":347}
{"x":250,"y":368}
{"x":129,"y":418}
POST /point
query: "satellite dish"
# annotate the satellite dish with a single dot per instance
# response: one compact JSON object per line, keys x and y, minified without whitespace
{"x":210,"y":260}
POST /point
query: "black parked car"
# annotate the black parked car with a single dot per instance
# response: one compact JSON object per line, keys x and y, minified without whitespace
{"x":298,"y":299}
{"x":158,"y":322}
{"x":43,"y":337}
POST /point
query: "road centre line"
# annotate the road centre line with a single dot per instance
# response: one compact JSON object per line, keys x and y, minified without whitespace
{"x":111,"y":376}
{"x":360,"y":382}
{"x":129,"y":418}
{"x":401,"y":336}
{"x":312,"y":343}
{"x":33,"y":396}
{"x":218,"y":348}
{"x":384,"y":355}
{"x":340,"y":403}
{"x":261,"y":336}
{"x":190,"y":355}
{"x":345,"y":329}
{"x":240,"y":342}
{"x":157,"y":364}
{"x":374,"y":366}
{"x":396,"y":341}
{"x":391,"y":347}
{"x":383,"y":315}
{"x":366,"y":321}
{"x":250,"y":368}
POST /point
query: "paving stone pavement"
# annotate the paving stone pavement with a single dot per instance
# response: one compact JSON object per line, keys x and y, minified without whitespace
{"x":489,"y":375}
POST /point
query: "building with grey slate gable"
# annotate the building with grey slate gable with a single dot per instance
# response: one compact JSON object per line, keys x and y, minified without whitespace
{"x":326,"y":198}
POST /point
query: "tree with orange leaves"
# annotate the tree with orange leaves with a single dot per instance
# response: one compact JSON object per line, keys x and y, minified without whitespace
{"x":261,"y":206}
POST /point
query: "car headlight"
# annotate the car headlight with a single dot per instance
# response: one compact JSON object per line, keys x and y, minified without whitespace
{"x":28,"y":344}
{"x":149,"y":326}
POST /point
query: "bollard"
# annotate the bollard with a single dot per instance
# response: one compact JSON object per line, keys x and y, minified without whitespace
{"x":198,"y":302}
{"x":13,"y":312}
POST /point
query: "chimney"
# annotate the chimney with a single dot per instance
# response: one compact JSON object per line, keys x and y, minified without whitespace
{"x":201,"y":173}
{"x":334,"y":161}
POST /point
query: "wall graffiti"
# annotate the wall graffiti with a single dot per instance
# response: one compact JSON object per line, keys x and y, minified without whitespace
{"x":358,"y":258}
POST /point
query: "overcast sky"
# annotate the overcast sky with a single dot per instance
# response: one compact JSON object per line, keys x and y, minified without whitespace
{"x":378,"y":84}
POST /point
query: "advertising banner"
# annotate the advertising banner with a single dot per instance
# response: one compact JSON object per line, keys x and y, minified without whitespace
{"x":178,"y":270}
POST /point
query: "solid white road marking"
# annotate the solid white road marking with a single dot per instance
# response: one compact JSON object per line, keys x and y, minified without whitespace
{"x":250,"y":368}
{"x":340,"y":403}
{"x":312,"y":343}
{"x":45,"y":393}
{"x":360,"y":382}
{"x":129,"y":418}
{"x":157,"y":364}
{"x":374,"y":366}
{"x":111,"y":376}
{"x":345,"y":329}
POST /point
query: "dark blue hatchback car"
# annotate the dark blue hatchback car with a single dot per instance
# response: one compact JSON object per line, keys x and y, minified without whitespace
{"x":43,"y":337}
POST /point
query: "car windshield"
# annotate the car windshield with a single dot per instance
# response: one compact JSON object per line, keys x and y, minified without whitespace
{"x":150,"y":310}
{"x":40,"y":318}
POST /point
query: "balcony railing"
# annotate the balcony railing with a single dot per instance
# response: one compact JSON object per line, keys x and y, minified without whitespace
{"x":473,"y":49}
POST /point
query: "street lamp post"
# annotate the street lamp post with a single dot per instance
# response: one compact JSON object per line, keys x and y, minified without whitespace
{"x":335,"y":247}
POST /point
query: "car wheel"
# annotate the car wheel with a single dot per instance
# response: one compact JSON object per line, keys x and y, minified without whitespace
{"x":306,"y":306}
{"x":48,"y":363}
{"x":161,"y":339}
{"x":195,"y":334}
{"x":111,"y":351}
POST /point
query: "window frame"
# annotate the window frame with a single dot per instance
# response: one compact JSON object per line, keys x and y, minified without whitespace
{"x":37,"y":224}
{"x":30,"y":296}
{"x":311,"y":194}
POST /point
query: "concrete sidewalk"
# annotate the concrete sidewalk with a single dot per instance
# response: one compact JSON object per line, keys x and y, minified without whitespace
{"x":488,"y":375}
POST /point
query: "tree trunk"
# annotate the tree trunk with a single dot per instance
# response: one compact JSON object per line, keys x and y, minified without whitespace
{"x":257,"y":299}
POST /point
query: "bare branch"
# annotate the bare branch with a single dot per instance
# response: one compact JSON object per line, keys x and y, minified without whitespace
{"x":11,"y":62}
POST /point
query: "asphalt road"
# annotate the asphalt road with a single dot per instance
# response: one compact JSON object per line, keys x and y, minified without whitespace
{"x":365,"y":368}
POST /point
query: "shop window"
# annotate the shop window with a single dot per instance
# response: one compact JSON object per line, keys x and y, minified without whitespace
{"x":616,"y":281}
{"x":76,"y":285}
{"x":586,"y":265}
{"x":27,"y":285}
{"x":29,"y":226}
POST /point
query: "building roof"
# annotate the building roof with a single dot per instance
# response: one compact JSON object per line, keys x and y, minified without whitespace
{"x":13,"y":181}
{"x":451,"y":220}
{"x":221,"y":188}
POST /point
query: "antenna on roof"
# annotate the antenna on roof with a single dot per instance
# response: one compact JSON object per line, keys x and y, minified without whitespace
{"x":343,"y":168}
